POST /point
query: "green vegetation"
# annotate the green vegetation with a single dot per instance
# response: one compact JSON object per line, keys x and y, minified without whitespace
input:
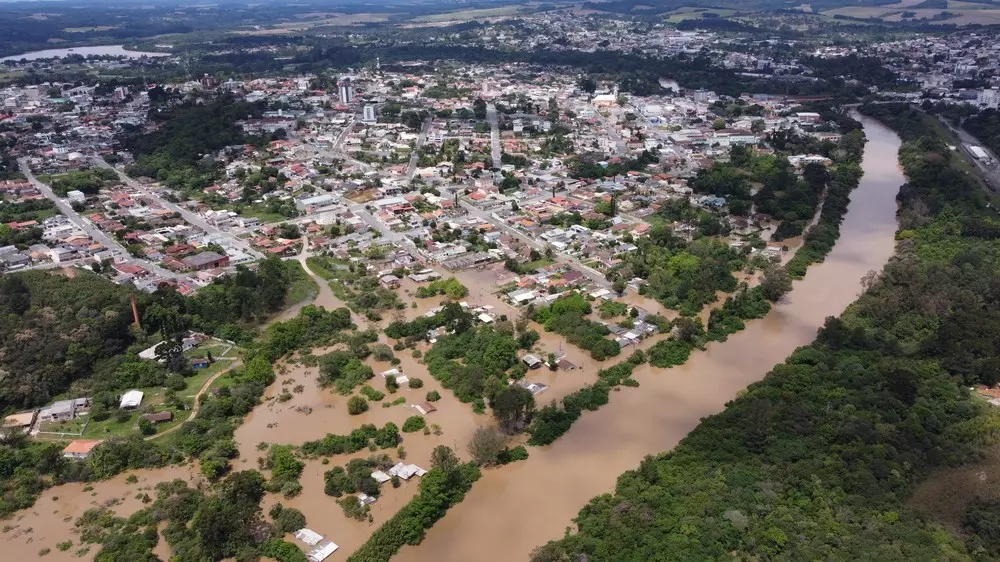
{"x":361,"y":291}
{"x":25,"y":211}
{"x":90,"y":181}
{"x":439,"y":490}
{"x":224,"y":523}
{"x":285,"y":470}
{"x":567,"y":316}
{"x":85,"y":322}
{"x":450,"y":288}
{"x":227,"y":306}
{"x":180,"y":152}
{"x":473,"y":363}
{"x":682,"y":276}
{"x":360,"y":438}
{"x":356,"y":476}
{"x":985,"y":126}
{"x":816,"y":460}
{"x":414,"y":423}
{"x":356,"y":405}
{"x":343,"y":370}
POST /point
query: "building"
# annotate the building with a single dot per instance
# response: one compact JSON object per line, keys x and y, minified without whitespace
{"x":131,"y":400}
{"x":80,"y":449}
{"x":368,"y":114}
{"x":389,"y":281}
{"x":159,"y":417}
{"x":64,"y":410}
{"x":345,"y":91}
{"x":308,"y":204}
{"x":20,"y":421}
{"x":531,"y":361}
{"x":205,"y":260}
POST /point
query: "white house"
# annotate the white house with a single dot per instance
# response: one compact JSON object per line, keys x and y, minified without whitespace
{"x":131,"y":400}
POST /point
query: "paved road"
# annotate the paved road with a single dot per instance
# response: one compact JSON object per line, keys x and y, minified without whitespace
{"x":494,"y":120}
{"x":411,"y":168}
{"x":191,"y":218}
{"x":990,"y":172}
{"x":612,"y":133}
{"x":120,"y":253}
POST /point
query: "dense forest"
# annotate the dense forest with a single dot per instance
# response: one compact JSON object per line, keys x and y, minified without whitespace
{"x":56,"y":329}
{"x":815,"y":461}
{"x":181,"y":152}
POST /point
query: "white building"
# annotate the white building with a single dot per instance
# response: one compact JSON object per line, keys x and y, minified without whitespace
{"x":368,"y":114}
{"x":131,"y":399}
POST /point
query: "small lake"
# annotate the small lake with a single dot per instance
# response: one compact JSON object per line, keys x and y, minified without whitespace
{"x":101,"y":50}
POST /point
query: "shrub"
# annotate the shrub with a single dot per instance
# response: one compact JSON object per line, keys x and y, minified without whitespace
{"x":414,"y":423}
{"x":357,"y":405}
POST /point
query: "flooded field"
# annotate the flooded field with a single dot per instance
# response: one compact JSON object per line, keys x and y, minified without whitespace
{"x":512,"y":510}
{"x":51,"y":519}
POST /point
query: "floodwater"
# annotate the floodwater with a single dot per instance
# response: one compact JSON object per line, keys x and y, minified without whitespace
{"x":50,"y":520}
{"x":517,"y":508}
{"x":102,"y":50}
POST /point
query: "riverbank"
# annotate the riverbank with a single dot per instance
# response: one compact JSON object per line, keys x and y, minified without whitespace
{"x":548,"y":489}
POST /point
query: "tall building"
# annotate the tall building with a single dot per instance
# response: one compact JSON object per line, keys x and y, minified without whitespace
{"x":369,"y":114}
{"x":990,"y":98}
{"x":345,"y":91}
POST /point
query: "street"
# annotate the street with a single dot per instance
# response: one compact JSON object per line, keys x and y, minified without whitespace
{"x":191,"y":218}
{"x":411,"y":168}
{"x":120,"y":253}
{"x":493,"y":118}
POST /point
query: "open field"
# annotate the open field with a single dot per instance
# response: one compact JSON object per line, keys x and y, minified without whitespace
{"x":682,"y":14}
{"x":966,"y":13}
{"x":90,"y":29}
{"x":465,"y":15}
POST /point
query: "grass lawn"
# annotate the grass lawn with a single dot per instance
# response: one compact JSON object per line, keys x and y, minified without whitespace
{"x":538,"y":264}
{"x":303,"y":286}
{"x":261,"y":212}
{"x":73,"y":426}
{"x":195,"y":382}
{"x":111,"y":427}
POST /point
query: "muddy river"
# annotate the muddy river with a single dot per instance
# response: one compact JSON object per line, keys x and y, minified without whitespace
{"x":512,"y":510}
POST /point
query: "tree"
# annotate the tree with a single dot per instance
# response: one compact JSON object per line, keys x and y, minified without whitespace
{"x":444,"y":459}
{"x":719,"y":123}
{"x":513,"y":408}
{"x":357,"y":405}
{"x":776,"y":283}
{"x":146,"y":427}
{"x":486,"y":445}
{"x":618,"y":286}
